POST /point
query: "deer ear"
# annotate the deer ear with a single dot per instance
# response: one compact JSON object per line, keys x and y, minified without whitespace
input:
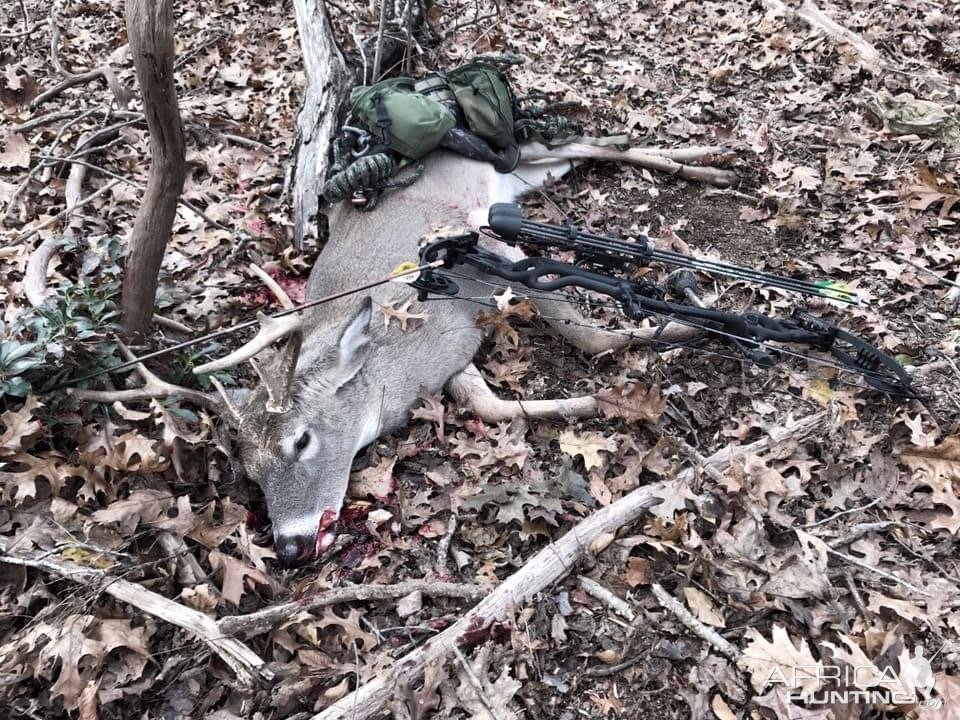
{"x":356,"y":334}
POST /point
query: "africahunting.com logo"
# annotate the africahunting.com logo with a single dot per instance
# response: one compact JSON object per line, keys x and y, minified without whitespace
{"x":824,"y":684}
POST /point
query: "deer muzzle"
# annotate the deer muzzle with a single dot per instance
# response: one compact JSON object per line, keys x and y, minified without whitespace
{"x":299,"y":549}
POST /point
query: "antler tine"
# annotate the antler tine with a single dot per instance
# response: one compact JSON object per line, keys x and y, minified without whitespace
{"x":279,"y":382}
{"x":273,"y":286}
{"x":271,"y":330}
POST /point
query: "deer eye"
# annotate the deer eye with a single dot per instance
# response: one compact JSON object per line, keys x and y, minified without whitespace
{"x":302,"y":442}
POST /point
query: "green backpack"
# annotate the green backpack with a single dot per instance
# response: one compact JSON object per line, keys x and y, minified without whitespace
{"x":487,"y":102}
{"x":400,"y":118}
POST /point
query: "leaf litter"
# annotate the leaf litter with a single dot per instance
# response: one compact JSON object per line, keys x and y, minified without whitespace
{"x":848,"y":171}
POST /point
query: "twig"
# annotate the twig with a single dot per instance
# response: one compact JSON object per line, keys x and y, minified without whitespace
{"x":697,"y":458}
{"x":379,"y":51}
{"x":860,"y":530}
{"x":106,"y":72}
{"x":475,"y":681}
{"x":707,"y":634}
{"x":819,"y":20}
{"x":855,"y":594}
{"x":67,"y":211}
{"x":174,"y":325}
{"x":833,"y":517}
{"x":246,"y":665}
{"x":27,"y":27}
{"x":608,"y":670}
{"x":42,"y":120}
{"x":443,"y":548}
{"x":882,"y":573}
{"x":363,"y":53}
{"x":133,"y":183}
{"x":928,"y":271}
{"x":607,"y":597}
{"x":263,"y":620}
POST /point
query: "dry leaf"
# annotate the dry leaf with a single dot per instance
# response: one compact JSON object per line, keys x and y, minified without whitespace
{"x":777,"y":659}
{"x":588,"y":445}
{"x":703,"y":607}
{"x":237,"y":578}
{"x":633,"y":403}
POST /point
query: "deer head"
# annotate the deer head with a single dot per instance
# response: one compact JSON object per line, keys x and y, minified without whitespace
{"x":298,"y":433}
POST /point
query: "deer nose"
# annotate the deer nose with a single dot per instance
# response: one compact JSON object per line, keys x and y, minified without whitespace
{"x":294,"y":550}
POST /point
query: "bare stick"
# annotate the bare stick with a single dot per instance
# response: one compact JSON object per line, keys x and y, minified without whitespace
{"x":106,"y":72}
{"x":264,"y":620}
{"x":607,"y":597}
{"x":819,"y":20}
{"x":27,"y":27}
{"x":246,"y":664}
{"x":173,"y":325}
{"x":42,"y":120}
{"x":833,"y":517}
{"x":709,"y":635}
{"x":540,"y":572}
{"x":882,"y":573}
{"x":65,"y":213}
{"x":379,"y":51}
{"x":861,"y":530}
{"x":443,"y":549}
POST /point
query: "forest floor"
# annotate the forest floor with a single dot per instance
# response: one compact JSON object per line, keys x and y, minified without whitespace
{"x":834,"y":551}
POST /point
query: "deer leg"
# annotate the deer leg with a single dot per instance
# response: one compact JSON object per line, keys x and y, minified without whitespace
{"x":570,"y":324}
{"x":471,"y":392}
{"x":672,"y":162}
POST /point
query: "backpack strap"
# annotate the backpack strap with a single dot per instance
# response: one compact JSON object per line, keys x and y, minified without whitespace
{"x":382,"y":117}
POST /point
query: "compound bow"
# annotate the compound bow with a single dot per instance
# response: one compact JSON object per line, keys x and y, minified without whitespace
{"x":597,"y":256}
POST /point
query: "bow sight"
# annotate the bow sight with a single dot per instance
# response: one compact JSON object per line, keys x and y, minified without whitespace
{"x":598,"y":256}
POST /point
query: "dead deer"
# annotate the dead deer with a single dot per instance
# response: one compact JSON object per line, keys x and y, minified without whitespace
{"x":344,"y":377}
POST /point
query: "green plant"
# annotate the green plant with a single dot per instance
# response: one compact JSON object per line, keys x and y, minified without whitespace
{"x":70,"y":333}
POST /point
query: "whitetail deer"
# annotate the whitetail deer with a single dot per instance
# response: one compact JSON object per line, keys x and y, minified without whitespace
{"x":344,"y":377}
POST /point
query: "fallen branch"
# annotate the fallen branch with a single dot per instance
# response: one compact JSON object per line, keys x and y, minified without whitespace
{"x":540,"y":572}
{"x":264,"y":620}
{"x":42,"y":120}
{"x":819,"y":20}
{"x":106,"y":73}
{"x":65,"y":213}
{"x":249,"y":667}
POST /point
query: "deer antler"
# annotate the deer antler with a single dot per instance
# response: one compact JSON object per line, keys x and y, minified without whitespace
{"x":279,"y":380}
{"x":154,"y":387}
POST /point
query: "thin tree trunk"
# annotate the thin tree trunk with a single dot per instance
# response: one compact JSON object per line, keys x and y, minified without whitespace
{"x":150,"y":33}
